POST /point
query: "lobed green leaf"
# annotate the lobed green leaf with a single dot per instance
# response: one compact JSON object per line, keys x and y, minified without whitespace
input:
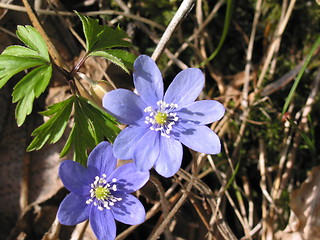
{"x":119,"y":57}
{"x":28,"y":88}
{"x":33,"y":39}
{"x":11,"y":65}
{"x":52,"y":109}
{"x":100,"y":37}
{"x":22,"y":51}
{"x":91,"y":126}
{"x":15,"y":59}
{"x":80,"y":138}
{"x":52,"y":130}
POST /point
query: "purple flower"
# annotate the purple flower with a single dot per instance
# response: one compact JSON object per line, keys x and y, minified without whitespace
{"x":158,"y":122}
{"x":100,"y":192}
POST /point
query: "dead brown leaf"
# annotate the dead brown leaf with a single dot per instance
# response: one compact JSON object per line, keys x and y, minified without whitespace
{"x":304,"y":222}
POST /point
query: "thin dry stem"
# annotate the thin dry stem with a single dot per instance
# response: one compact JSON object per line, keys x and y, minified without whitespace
{"x":183,"y":10}
{"x":245,"y":91}
{"x":278,"y":34}
{"x":302,"y":125}
{"x":93,"y":13}
{"x":173,"y":211}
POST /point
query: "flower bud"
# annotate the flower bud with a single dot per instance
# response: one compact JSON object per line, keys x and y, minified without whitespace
{"x":99,"y":89}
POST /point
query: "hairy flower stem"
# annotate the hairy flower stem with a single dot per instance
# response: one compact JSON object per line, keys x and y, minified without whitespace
{"x":71,"y":75}
{"x":76,"y":68}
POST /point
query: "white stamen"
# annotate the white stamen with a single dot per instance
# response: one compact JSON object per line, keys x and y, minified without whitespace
{"x":105,"y":199}
{"x":165,"y":113}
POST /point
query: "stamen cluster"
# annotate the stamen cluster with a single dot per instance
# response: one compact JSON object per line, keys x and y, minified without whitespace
{"x":162,"y":119}
{"x":100,"y":193}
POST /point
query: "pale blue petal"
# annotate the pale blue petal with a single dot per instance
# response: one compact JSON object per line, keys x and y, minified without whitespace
{"x":103,"y":224}
{"x":147,"y":150}
{"x":199,"y":138}
{"x":201,"y":112}
{"x":102,"y":158}
{"x":73,"y":210}
{"x":129,"y":211}
{"x":125,"y":142}
{"x":148,"y":80}
{"x":185,"y":87}
{"x":125,"y":105}
{"x":129,"y":178}
{"x":75,"y":177}
{"x":169,"y":160}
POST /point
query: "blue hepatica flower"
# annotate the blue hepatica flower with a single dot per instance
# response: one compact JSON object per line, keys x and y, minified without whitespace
{"x":158,"y":122}
{"x":100,"y":192}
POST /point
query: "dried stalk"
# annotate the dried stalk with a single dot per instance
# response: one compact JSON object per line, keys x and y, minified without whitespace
{"x":93,"y":13}
{"x":278,"y":34}
{"x":245,"y":90}
{"x":222,"y":226}
{"x":173,"y":211}
{"x":182,"y":12}
{"x":302,"y":125}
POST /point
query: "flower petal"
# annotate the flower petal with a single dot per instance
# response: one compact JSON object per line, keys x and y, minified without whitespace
{"x":102,"y":158}
{"x":75,"y":177}
{"x":148,"y":80}
{"x":129,"y":211}
{"x":185,"y":87}
{"x":199,"y":138}
{"x":147,"y":150}
{"x":73,"y":210}
{"x":125,"y":105}
{"x":201,"y":112}
{"x":103,"y":224}
{"x":169,"y":160}
{"x":129,"y":178}
{"x":124,"y":144}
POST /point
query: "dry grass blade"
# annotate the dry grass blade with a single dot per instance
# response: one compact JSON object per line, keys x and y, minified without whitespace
{"x":205,"y":191}
{"x":183,"y":10}
{"x":277,"y":36}
{"x":92,"y":13}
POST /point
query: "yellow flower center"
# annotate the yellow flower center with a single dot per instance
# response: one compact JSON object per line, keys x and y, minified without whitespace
{"x":161,"y":118}
{"x":102,"y":193}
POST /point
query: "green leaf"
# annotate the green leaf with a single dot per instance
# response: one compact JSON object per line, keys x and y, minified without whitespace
{"x":52,"y":130}
{"x":227,"y":21}
{"x":105,"y":125}
{"x":52,"y":109}
{"x":15,"y":59}
{"x":33,"y":39}
{"x":28,"y":88}
{"x":302,"y":70}
{"x":91,"y":126}
{"x":21,"y":51}
{"x":306,"y":138}
{"x":119,"y":57}
{"x":11,"y":65}
{"x":100,"y":37}
{"x":80,"y":138}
